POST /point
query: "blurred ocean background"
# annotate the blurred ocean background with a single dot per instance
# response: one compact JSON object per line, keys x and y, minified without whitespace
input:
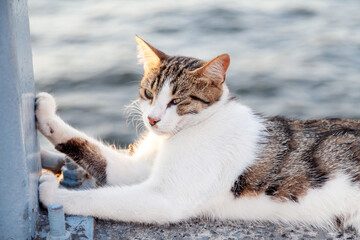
{"x":294,"y":58}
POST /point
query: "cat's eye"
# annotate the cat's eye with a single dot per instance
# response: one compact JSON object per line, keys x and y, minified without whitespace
{"x":148,"y":94}
{"x":175,"y":101}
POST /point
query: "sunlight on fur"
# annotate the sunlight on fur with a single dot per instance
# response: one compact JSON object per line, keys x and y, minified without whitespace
{"x":204,"y":154}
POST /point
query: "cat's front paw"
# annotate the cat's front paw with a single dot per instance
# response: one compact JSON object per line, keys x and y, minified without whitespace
{"x":45,"y":112}
{"x":47,"y":188}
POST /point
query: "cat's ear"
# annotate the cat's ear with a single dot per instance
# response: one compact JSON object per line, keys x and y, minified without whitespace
{"x":148,"y":55}
{"x":215,"y":69}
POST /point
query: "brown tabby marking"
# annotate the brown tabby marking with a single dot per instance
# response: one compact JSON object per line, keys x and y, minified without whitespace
{"x":198,"y":93}
{"x":339,"y":222}
{"x":87,"y":155}
{"x":302,"y":154}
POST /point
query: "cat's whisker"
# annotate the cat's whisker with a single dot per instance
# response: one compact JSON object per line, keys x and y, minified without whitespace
{"x":134,"y":113}
{"x":139,"y":126}
{"x":133,"y":117}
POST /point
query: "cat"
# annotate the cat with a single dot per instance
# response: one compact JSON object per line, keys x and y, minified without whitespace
{"x":206,"y":154}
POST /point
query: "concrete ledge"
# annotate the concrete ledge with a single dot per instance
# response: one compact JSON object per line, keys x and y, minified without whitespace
{"x":213,"y":229}
{"x":199,"y":229}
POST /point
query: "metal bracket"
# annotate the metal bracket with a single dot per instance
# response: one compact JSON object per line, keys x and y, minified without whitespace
{"x":73,"y":176}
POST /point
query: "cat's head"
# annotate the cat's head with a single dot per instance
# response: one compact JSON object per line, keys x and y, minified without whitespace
{"x":174,"y":89}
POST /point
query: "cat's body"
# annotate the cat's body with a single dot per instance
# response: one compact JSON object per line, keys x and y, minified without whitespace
{"x":208,"y":155}
{"x":311,"y":163}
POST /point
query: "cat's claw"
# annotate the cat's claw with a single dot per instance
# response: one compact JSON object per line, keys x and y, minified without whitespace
{"x":45,"y":110}
{"x":47,"y":188}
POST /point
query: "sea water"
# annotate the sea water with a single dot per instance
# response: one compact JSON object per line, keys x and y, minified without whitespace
{"x":295,"y":58}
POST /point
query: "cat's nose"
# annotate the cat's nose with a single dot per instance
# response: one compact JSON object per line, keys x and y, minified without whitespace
{"x":153,"y":121}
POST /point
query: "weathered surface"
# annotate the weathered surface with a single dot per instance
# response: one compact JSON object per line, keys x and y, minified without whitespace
{"x":19,"y":150}
{"x":208,"y":229}
{"x":200,"y":229}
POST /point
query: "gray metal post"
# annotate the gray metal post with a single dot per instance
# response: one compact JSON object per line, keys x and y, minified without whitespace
{"x":19,"y":151}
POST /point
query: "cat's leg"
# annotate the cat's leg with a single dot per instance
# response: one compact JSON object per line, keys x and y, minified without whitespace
{"x":139,"y":203}
{"x":102,"y":162}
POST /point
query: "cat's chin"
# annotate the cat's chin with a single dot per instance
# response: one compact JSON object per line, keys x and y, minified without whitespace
{"x":161,"y":132}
